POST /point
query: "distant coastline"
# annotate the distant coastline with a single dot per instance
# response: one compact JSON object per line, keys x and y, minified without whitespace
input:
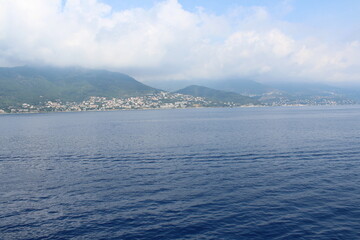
{"x":29,"y":89}
{"x":162,"y":100}
{"x":170,"y":108}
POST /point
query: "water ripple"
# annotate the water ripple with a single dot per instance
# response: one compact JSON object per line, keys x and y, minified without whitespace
{"x":247,"y":178}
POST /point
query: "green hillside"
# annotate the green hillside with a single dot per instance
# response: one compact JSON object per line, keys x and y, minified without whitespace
{"x":217,"y":95}
{"x":38,"y":84}
{"x":241,"y":86}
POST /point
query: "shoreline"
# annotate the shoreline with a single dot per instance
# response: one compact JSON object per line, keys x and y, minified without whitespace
{"x":145,"y":109}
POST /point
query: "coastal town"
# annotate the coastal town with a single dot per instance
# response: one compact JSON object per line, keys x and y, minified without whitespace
{"x":161,"y":100}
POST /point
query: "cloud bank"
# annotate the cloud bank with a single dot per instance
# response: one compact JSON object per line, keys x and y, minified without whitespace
{"x":167,"y":42}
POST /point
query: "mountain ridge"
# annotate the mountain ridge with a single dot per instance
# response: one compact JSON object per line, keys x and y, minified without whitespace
{"x":217,"y":95}
{"x":37,"y":84}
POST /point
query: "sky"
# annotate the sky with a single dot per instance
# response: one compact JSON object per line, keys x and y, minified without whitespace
{"x":176,"y":40}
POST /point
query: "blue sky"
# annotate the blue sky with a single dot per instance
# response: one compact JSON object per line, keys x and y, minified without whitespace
{"x":304,"y":11}
{"x":173,"y":40}
{"x":330,"y":16}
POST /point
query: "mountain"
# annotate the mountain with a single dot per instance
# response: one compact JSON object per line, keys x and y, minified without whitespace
{"x":306,"y":89}
{"x":241,"y":86}
{"x":172,"y":85}
{"x":289,"y":93}
{"x":217,"y":95}
{"x":307,"y":94}
{"x":38,"y":84}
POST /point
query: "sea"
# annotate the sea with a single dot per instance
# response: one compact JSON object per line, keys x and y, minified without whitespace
{"x":207,"y":173}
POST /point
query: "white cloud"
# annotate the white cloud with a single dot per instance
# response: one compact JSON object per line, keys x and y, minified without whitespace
{"x":167,"y":42}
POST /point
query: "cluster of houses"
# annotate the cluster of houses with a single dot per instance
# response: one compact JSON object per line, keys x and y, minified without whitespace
{"x":153,"y":101}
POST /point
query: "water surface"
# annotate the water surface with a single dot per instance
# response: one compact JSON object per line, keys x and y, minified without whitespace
{"x":241,"y":173}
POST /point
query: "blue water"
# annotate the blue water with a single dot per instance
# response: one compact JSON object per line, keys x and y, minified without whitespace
{"x":241,"y":173}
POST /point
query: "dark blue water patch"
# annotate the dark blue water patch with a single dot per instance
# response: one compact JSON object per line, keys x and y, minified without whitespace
{"x":249,"y":173}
